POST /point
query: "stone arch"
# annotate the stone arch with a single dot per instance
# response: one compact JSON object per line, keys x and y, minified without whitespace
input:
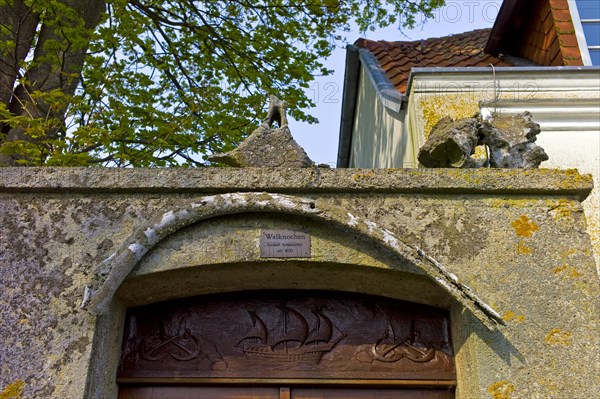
{"x":115,"y":269}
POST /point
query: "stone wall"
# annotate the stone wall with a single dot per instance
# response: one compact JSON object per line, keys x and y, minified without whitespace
{"x":119,"y":238}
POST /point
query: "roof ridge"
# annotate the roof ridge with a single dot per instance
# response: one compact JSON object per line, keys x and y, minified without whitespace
{"x":361,"y":40}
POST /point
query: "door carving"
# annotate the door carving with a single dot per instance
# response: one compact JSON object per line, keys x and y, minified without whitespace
{"x":294,"y":337}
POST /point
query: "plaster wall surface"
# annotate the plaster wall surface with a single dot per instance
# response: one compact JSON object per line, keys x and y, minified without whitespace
{"x":515,"y":237}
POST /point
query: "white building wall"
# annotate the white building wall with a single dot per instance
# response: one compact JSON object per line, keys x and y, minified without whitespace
{"x":380,"y":138}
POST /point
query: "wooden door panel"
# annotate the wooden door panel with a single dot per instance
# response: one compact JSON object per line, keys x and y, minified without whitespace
{"x":190,"y":392}
{"x":287,"y":345}
{"x":366,"y":393}
{"x":287,"y":334}
{"x":183,"y":392}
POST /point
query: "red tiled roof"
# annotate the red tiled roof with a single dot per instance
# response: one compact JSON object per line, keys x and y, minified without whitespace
{"x":461,"y":50}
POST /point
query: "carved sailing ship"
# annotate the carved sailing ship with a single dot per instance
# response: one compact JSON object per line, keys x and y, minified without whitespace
{"x":290,"y":340}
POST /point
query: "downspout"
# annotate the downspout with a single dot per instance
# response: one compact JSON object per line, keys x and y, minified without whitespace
{"x":351,"y":76}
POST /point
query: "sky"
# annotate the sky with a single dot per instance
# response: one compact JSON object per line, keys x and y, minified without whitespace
{"x":320,"y":141}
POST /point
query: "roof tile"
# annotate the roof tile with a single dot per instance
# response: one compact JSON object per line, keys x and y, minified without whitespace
{"x":461,"y":50}
{"x":563,"y":27}
{"x":559,"y":4}
{"x":568,"y":40}
{"x":557,"y":60}
{"x":571,"y":53}
{"x":562,"y":15}
{"x":573,"y":62}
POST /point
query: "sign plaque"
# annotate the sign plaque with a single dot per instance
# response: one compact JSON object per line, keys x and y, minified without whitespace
{"x":284,"y":244}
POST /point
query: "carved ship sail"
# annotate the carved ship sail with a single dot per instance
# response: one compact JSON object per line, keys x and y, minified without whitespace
{"x":290,"y":340}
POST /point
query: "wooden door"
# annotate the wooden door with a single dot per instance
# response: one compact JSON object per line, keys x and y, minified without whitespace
{"x":286,"y":345}
{"x":369,"y":393}
{"x":191,"y":392}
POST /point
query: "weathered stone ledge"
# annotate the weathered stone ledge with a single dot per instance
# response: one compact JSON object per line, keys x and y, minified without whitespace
{"x":218,"y":180}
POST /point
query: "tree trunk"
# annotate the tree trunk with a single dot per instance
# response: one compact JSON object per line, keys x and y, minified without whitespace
{"x":18,"y":24}
{"x":53,"y":68}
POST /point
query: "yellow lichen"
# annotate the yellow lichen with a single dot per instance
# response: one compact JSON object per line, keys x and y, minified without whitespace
{"x":512,"y":316}
{"x":566,"y":270}
{"x":558,"y":337}
{"x":480,"y":152}
{"x":550,"y":385}
{"x":361,"y":176}
{"x":573,"y":272}
{"x":501,"y":389}
{"x":456,"y":106}
{"x":524,"y":227}
{"x":523,"y":249}
{"x":575,"y":180}
{"x":561,"y":209}
{"x":569,"y":252}
{"x":14,"y":390}
{"x":510,"y":203}
{"x":559,"y":269}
